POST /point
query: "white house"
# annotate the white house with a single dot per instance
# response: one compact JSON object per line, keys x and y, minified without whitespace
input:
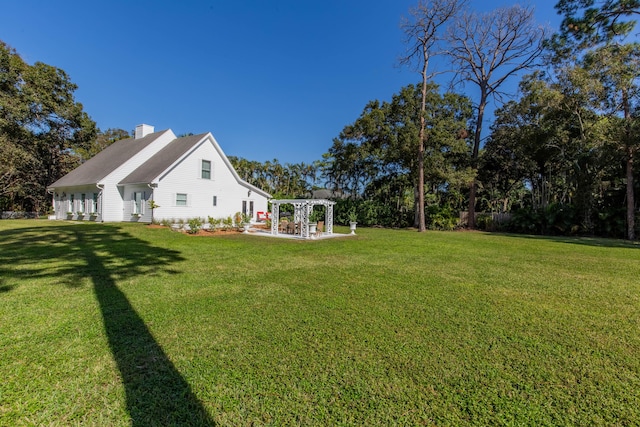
{"x":185,"y":178}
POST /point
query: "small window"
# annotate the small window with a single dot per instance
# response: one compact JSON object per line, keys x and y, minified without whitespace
{"x":94,"y":203}
{"x":206,"y":169}
{"x":215,"y":200}
{"x":181,"y":199}
{"x":138,"y":203}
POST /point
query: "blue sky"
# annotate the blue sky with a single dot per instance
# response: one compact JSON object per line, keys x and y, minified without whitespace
{"x":270,"y":80}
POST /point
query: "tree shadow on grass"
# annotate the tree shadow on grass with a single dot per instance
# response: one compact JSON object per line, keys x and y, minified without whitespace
{"x":156,"y":393}
{"x":601,"y":242}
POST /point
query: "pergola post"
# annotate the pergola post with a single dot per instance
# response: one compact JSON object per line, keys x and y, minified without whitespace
{"x":275,"y":217}
{"x":329,"y":217}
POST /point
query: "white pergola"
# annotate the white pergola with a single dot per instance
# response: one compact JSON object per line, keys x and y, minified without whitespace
{"x":302,"y":213}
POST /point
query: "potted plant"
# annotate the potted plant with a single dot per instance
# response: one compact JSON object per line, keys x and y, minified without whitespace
{"x":313,"y":228}
{"x":353,"y":220}
{"x":246,"y":222}
{"x":313,"y":222}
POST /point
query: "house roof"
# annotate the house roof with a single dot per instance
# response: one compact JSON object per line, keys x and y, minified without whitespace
{"x":160,"y":162}
{"x":108,"y":160}
{"x":102,"y":164}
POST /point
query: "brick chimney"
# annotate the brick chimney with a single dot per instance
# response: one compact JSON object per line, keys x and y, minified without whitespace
{"x":143,"y":130}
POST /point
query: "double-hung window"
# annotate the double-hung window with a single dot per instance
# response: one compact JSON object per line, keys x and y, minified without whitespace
{"x":138,"y":203}
{"x":94,"y":204}
{"x":206,"y":169}
{"x":181,"y":199}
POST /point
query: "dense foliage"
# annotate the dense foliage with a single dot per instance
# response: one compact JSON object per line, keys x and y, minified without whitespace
{"x":41,"y":125}
{"x":559,"y":158}
{"x":281,"y":181}
{"x":374,"y":159}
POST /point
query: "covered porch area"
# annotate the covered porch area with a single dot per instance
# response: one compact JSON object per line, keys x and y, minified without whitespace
{"x":306,"y":223}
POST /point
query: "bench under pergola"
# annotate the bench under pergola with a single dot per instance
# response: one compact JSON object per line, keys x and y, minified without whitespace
{"x":302,"y":213}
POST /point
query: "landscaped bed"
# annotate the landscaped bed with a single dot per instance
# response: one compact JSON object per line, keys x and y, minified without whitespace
{"x":123,"y":324}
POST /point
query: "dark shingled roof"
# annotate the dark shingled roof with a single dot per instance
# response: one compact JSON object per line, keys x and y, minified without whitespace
{"x":102,"y":164}
{"x":161,"y":161}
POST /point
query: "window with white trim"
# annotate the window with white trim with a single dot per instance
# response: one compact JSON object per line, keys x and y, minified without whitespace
{"x":181,"y":199}
{"x":138,"y":203}
{"x":93,"y":207}
{"x":206,"y":169}
{"x":83,"y":200}
{"x":72,"y":202}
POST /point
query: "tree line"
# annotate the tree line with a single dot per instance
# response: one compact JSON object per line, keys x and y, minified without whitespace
{"x":559,"y":156}
{"x":44,"y":132}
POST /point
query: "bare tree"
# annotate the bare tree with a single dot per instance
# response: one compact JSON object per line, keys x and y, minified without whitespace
{"x":424,"y":30}
{"x":487,"y":49}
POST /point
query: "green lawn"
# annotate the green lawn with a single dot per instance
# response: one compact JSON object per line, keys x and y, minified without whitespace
{"x":104,"y":324}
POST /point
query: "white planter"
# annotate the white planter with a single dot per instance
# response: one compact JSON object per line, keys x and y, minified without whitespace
{"x":246,"y":227}
{"x":352,"y":227}
{"x":313,"y":228}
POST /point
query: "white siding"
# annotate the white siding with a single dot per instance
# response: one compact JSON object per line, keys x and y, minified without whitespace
{"x":185,"y":177}
{"x":113,"y":208}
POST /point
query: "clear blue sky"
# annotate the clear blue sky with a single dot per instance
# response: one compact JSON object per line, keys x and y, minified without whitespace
{"x":271,"y":79}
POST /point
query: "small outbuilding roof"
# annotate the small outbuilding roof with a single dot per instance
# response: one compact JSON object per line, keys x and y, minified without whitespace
{"x":304,"y":202}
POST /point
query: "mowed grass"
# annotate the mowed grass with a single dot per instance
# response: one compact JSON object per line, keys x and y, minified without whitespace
{"x":122,"y":324}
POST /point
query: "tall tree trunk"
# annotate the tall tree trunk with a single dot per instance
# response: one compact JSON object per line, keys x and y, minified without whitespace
{"x":423,"y":108}
{"x":416,"y":206}
{"x":471,"y":222}
{"x":631,"y":221}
